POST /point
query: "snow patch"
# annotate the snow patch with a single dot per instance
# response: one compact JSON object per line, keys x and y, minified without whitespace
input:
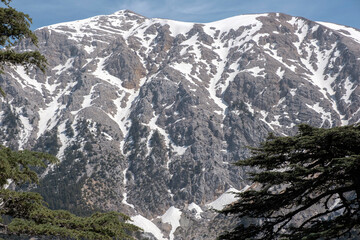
{"x":63,"y":140}
{"x":256,"y":71}
{"x":234,"y":22}
{"x":257,"y":37}
{"x":90,"y":49}
{"x":25,"y":130}
{"x":88,"y":98}
{"x":280,"y":73}
{"x":346,"y":31}
{"x":147,"y":226}
{"x":276,"y":121}
{"x":264,"y":115}
{"x":250,"y":108}
{"x":185,"y":69}
{"x":212,"y":87}
{"x":62,"y":68}
{"x":194,"y":207}
{"x":324,"y":115}
{"x":176,"y":27}
{"x":226,"y":198}
{"x":276,"y":56}
{"x":48,"y":115}
{"x":172,"y":216}
{"x":7,"y":184}
{"x":336,"y":202}
{"x":349,"y":88}
{"x":25,"y":80}
{"x":124,"y":201}
{"x":301,"y":32}
{"x":318,"y":76}
{"x":293,"y":91}
{"x":179,"y":150}
{"x":102,"y":74}
{"x":124,"y":101}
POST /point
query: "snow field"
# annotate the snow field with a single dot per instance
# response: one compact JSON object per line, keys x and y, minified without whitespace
{"x":226,"y":198}
{"x":172,"y":216}
{"x":147,"y":226}
{"x":196,"y":208}
{"x":347,"y":31}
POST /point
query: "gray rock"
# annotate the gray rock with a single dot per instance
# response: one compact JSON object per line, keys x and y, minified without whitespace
{"x":146,"y":114}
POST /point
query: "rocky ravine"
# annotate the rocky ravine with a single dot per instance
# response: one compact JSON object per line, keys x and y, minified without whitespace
{"x":146,"y":115}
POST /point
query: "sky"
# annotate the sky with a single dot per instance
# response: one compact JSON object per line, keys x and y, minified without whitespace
{"x":47,"y":12}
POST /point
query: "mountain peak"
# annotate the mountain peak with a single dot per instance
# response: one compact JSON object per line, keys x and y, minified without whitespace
{"x":126,"y":12}
{"x":147,"y":115}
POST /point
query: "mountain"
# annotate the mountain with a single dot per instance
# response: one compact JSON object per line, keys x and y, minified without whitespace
{"x":147,"y":115}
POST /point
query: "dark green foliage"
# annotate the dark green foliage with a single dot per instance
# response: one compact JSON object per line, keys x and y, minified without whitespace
{"x":15,"y":165}
{"x":308,"y":187}
{"x":10,"y":121}
{"x":32,"y":218}
{"x":136,"y":132}
{"x":68,"y":130}
{"x":88,"y":147}
{"x":82,"y":127}
{"x":157,"y":143}
{"x":61,"y":188}
{"x":10,"y":118}
{"x":26,"y":212}
{"x":14,"y":27}
{"x":48,"y":142}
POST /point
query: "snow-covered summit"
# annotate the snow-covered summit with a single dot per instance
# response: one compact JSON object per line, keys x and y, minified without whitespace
{"x":344,"y":30}
{"x":146,"y":114}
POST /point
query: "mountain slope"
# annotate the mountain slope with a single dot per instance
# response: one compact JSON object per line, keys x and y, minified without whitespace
{"x":146,"y":115}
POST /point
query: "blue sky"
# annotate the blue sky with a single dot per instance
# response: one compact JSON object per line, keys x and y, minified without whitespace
{"x":46,"y":12}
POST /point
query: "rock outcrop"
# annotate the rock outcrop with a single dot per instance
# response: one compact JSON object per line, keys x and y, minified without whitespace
{"x":147,"y":115}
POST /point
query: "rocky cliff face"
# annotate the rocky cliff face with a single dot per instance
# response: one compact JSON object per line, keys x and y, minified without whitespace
{"x":147,"y":115}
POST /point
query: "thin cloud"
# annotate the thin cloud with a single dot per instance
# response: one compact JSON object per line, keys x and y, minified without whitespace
{"x":168,"y":8}
{"x":146,"y":8}
{"x":136,"y":6}
{"x":54,"y":11}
